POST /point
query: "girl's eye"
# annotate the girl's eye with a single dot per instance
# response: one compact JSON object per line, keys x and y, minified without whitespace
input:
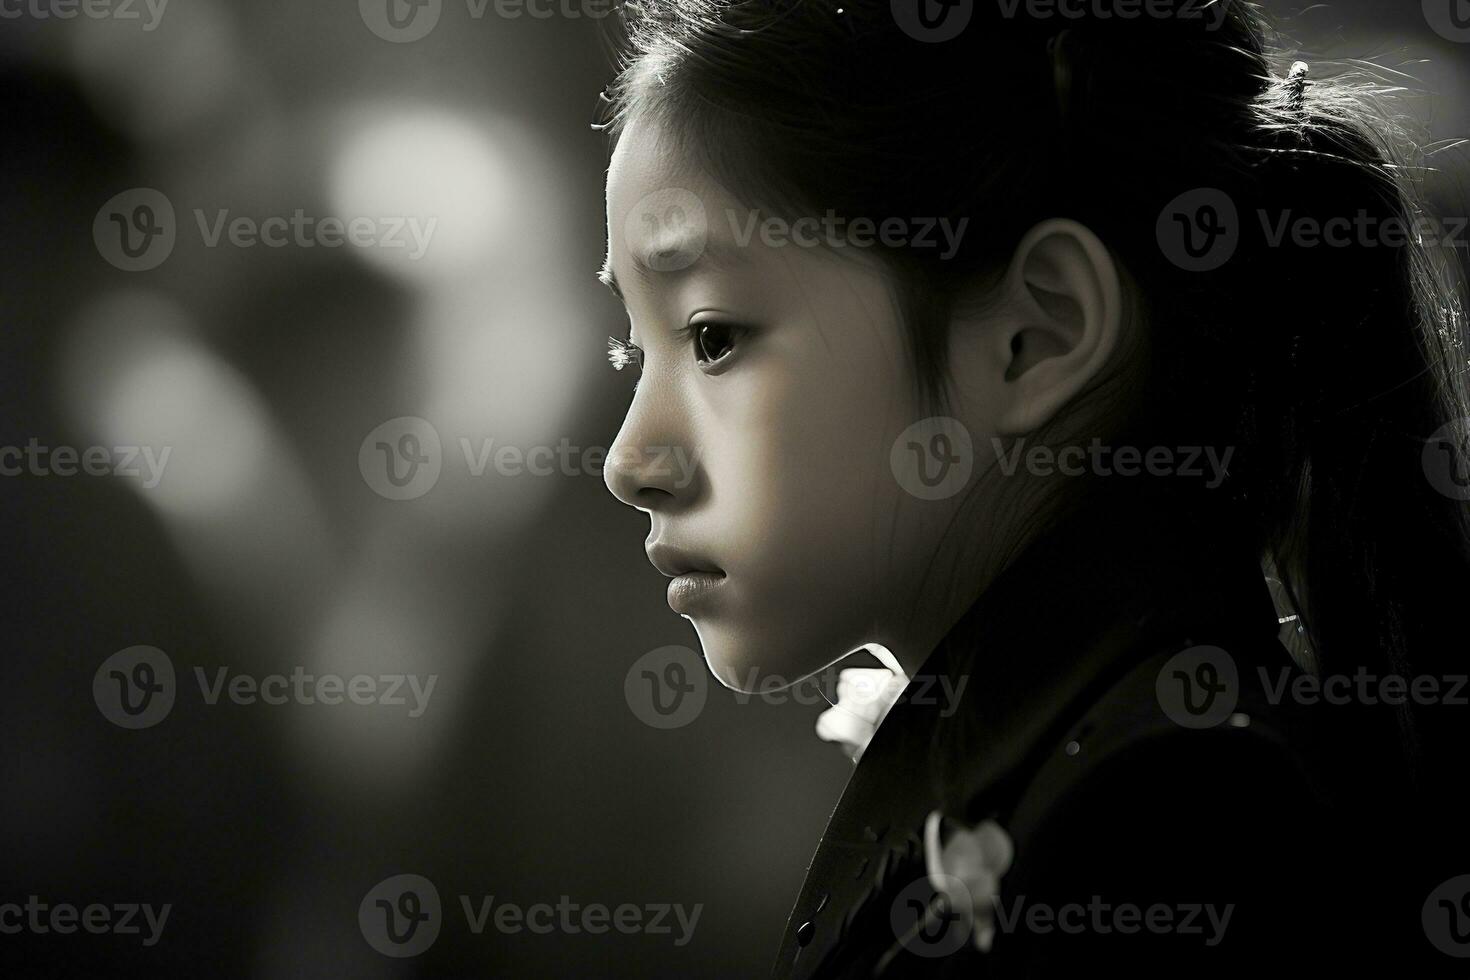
{"x":714,"y":341}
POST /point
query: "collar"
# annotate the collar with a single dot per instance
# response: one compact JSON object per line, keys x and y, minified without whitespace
{"x":1084,"y":603}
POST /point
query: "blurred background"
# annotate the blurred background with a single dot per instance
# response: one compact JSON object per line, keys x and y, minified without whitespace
{"x":347,"y":492}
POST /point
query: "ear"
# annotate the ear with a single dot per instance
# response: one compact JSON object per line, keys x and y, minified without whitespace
{"x":1064,"y":317}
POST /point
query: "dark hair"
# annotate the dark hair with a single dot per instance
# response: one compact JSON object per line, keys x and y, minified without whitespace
{"x":1327,"y":369}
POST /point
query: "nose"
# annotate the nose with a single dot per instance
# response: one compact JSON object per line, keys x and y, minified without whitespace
{"x":650,"y":466}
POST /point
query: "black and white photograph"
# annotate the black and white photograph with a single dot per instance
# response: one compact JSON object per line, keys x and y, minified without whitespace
{"x":734,"y":489}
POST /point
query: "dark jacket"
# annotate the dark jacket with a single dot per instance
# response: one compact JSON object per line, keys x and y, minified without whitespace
{"x":1123,"y":720}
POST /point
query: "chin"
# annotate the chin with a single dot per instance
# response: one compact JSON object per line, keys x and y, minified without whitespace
{"x":750,"y":662}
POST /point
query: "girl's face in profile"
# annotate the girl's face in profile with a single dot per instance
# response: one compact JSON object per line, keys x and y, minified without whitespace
{"x":774,"y":386}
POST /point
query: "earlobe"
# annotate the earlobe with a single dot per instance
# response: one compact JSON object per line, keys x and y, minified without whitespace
{"x":1066,"y":298}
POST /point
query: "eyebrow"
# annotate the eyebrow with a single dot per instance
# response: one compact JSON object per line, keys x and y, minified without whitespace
{"x":606,"y":277}
{"x":716,"y":254}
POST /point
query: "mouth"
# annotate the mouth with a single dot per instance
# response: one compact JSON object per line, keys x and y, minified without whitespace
{"x":693,"y":580}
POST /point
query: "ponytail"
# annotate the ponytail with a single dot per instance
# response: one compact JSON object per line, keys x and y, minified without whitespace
{"x":1370,"y":542}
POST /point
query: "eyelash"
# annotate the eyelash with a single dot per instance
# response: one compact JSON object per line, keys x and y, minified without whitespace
{"x":623,"y":353}
{"x":691,"y":334}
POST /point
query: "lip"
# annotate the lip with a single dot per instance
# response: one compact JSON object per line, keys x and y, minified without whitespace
{"x":693,"y":579}
{"x":672,"y":561}
{"x":692,"y":589}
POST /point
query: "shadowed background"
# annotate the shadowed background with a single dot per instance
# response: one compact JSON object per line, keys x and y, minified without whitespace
{"x":265,"y":546}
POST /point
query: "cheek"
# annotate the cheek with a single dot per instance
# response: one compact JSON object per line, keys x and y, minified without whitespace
{"x":802,"y":473}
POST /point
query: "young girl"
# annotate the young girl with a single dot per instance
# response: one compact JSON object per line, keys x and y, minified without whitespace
{"x":1035,"y":349}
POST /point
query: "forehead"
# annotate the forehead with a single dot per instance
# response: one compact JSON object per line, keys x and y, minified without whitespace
{"x":645,"y":157}
{"x":664,"y":210}
{"x":670,"y":223}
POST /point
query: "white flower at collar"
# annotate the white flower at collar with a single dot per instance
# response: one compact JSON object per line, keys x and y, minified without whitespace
{"x":864,"y":695}
{"x":966,"y":870}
